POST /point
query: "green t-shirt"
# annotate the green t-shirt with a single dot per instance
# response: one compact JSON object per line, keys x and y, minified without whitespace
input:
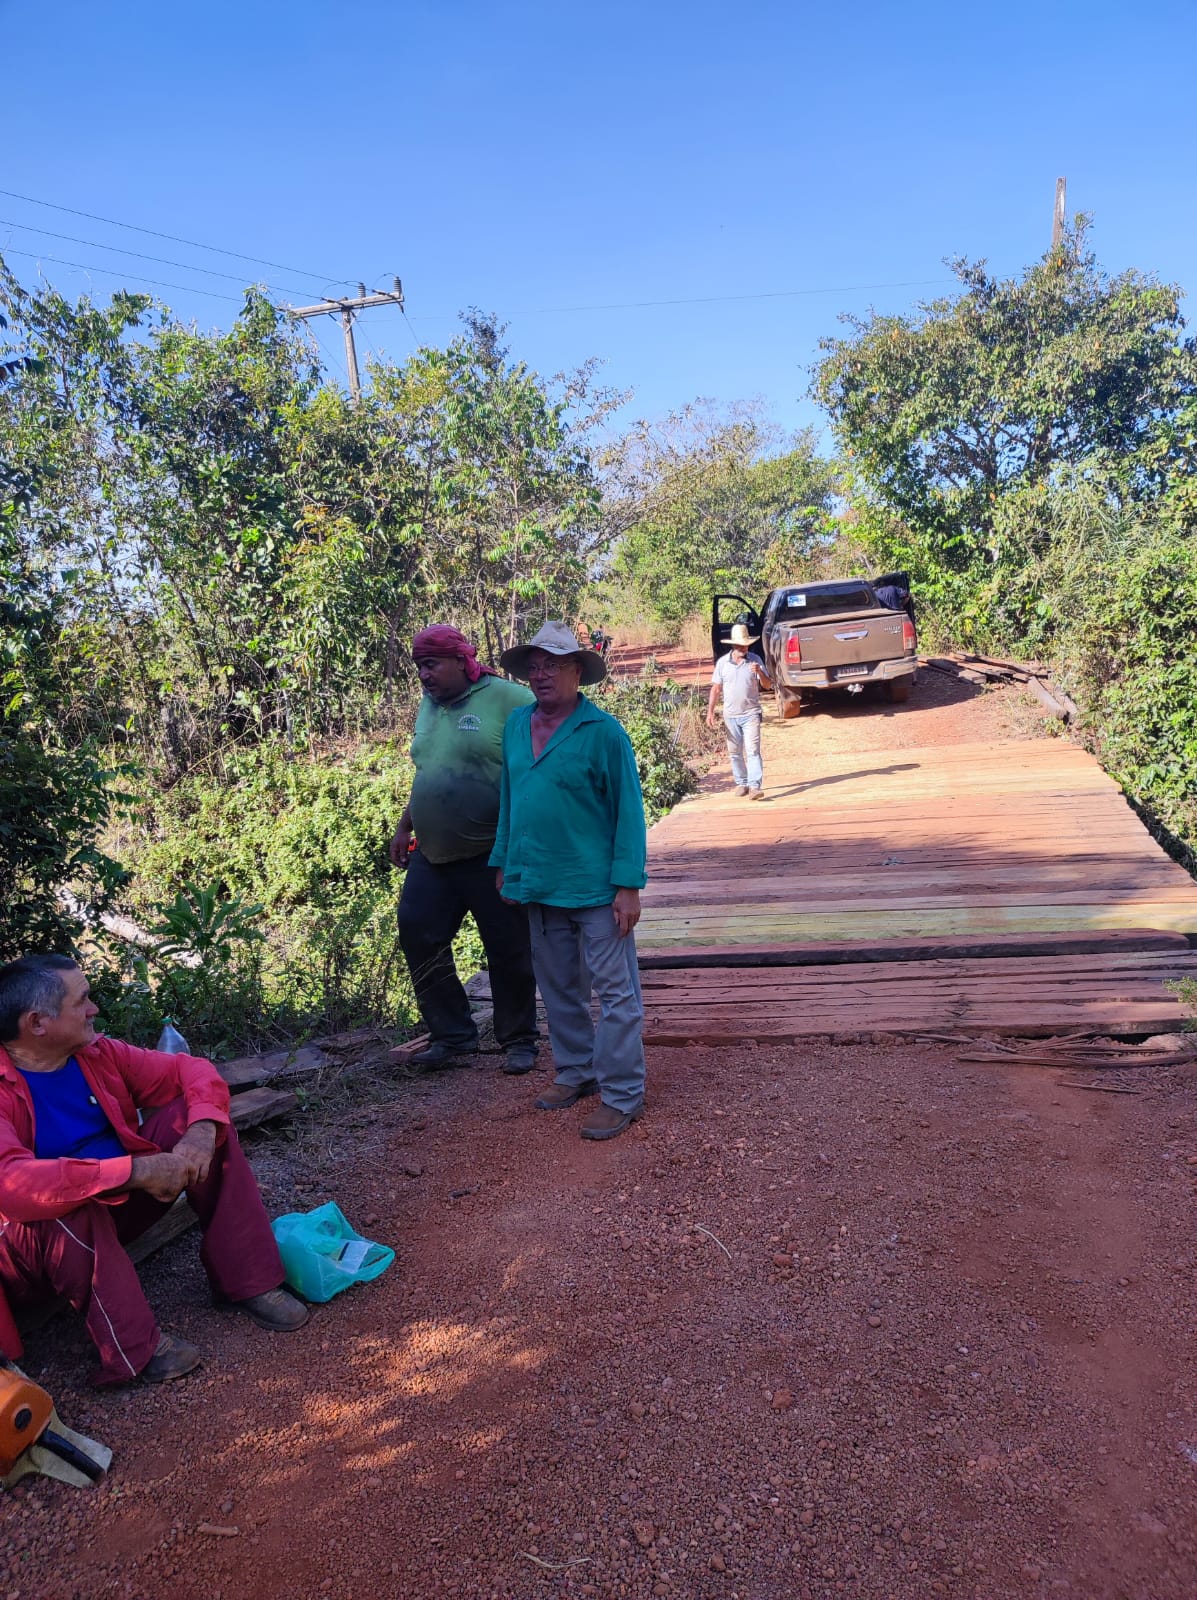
{"x":458,"y":755}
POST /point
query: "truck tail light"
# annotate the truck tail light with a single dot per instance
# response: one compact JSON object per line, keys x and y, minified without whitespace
{"x":909,"y":637}
{"x":793,"y":651}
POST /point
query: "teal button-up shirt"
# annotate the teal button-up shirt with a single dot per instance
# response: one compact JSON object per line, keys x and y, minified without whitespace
{"x":571,"y":821}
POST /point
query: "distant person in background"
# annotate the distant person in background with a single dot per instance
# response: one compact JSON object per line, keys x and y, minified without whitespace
{"x":572,"y":847}
{"x":457,"y":751}
{"x":738,"y":676}
{"x":601,"y":642}
{"x":97,"y":1141}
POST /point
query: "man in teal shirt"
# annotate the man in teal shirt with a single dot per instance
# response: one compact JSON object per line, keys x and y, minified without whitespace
{"x":457,"y":751}
{"x":572,"y":847}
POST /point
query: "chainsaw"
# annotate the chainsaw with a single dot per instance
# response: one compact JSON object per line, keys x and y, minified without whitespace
{"x":34,"y":1439}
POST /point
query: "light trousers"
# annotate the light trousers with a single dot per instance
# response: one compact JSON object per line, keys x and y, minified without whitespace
{"x":744,"y":748}
{"x":573,"y":952}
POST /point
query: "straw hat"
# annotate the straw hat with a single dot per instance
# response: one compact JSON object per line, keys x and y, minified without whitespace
{"x":555,"y":639}
{"x":740,"y":637}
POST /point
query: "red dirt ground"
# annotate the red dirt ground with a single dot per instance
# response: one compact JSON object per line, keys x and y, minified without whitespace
{"x":854,"y":1320}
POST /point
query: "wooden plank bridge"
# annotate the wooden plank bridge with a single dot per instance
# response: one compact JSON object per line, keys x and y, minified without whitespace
{"x":990,"y":887}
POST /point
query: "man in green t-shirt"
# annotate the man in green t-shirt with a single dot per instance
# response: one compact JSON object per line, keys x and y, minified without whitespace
{"x":453,"y":810}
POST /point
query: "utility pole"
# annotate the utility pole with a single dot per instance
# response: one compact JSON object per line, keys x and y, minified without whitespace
{"x":1058,"y":214}
{"x":347,"y":309}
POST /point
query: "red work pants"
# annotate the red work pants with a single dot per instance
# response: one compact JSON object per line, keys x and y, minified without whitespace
{"x":82,"y":1257}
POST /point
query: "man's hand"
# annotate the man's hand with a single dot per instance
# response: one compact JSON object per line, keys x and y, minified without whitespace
{"x":197,"y":1147}
{"x":626,"y":909}
{"x":499,"y":887}
{"x":163,"y":1176}
{"x":400,"y":847}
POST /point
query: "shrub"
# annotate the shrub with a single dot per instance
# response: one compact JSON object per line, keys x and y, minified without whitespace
{"x":304,"y":840}
{"x":656,"y":714}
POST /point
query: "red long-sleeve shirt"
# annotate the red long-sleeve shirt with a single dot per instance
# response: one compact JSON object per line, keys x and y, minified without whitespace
{"x":124,"y":1080}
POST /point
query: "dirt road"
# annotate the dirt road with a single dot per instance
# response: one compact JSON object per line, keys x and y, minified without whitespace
{"x":852,"y":1320}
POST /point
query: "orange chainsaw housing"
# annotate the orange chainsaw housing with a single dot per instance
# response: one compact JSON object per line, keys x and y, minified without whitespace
{"x":25,"y":1411}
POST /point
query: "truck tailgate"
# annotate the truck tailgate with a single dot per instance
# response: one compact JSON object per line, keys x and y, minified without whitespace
{"x":848,"y":640}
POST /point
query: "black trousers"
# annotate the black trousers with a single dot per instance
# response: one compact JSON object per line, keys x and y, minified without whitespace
{"x":432,"y":908}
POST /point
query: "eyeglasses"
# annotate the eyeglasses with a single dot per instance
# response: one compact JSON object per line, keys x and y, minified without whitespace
{"x":547,"y":669}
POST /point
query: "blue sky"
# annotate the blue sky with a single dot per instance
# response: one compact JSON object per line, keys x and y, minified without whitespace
{"x":541,"y":160}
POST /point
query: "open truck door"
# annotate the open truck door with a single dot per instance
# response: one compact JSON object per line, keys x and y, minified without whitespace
{"x":726,"y":611}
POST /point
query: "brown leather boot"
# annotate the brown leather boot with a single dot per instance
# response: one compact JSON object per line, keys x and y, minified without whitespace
{"x":277,"y":1309}
{"x":174,"y":1358}
{"x":607,"y":1123}
{"x":564,"y":1094}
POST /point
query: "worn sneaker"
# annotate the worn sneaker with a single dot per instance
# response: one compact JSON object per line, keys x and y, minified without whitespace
{"x":756,"y":794}
{"x":564,"y":1094}
{"x":277,"y":1309}
{"x":607,"y":1123}
{"x":742,"y":789}
{"x":174,"y":1358}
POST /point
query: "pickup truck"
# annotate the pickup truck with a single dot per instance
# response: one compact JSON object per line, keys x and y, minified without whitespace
{"x":832,"y":635}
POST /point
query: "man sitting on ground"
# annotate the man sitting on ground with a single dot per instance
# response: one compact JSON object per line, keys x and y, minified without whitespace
{"x":97,"y":1140}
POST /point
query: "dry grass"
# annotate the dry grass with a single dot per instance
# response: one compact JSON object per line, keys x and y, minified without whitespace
{"x":695,"y":634}
{"x":638,"y":635}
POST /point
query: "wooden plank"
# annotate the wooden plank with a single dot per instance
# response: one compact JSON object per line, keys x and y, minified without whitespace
{"x":410,"y":1047}
{"x":253,"y":1106}
{"x":864,"y":926}
{"x":1170,"y":882}
{"x":876,"y":900}
{"x":247,"y":1071}
{"x":823,"y":953}
{"x":1149,"y":966}
{"x":734,"y":1030}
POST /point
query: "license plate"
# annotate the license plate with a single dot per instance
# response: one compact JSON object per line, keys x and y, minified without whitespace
{"x":860,"y":671}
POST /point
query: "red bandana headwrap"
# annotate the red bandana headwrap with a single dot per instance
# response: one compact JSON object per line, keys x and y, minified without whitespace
{"x":442,"y":640}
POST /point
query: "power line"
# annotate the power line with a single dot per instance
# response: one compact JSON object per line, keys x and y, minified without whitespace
{"x":722,"y":299}
{"x":705,"y":300}
{"x":120,"y":250}
{"x":194,"y":244}
{"x":114,"y":272}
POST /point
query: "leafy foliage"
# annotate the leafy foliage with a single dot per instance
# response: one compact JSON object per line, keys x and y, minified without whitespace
{"x":654,"y":712}
{"x":710,"y":502}
{"x":53,"y":878}
{"x":226,"y":548}
{"x":960,"y":419}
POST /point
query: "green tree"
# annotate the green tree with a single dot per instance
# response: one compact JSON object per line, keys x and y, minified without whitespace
{"x":959,"y":419}
{"x":54,"y":798}
{"x":709,"y":501}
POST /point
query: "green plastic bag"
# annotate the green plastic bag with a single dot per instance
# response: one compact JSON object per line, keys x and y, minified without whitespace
{"x":323,"y":1255}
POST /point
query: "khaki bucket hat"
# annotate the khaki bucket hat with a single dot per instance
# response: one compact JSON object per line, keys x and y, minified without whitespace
{"x":555,"y":639}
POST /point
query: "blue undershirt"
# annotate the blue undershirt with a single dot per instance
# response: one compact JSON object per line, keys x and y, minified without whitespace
{"x":67,"y":1118}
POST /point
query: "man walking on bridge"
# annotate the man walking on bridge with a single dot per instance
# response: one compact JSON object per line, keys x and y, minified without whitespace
{"x":739,"y":675}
